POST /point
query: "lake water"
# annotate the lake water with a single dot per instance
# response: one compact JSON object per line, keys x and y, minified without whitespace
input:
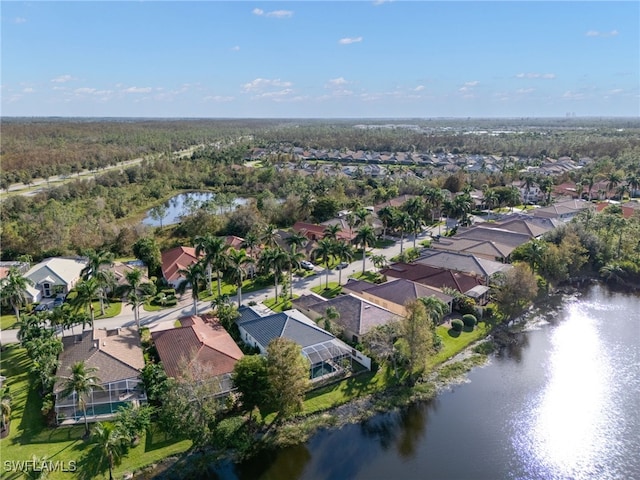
{"x":189,"y":202}
{"x":564,"y":403}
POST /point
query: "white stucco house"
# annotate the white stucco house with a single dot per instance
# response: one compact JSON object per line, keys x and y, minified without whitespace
{"x":53,"y":276}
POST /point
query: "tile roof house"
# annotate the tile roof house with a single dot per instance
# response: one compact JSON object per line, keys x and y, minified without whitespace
{"x":563,"y":211}
{"x":121,"y":269}
{"x":357,"y":316}
{"x":199,"y":339}
{"x":324,"y":351}
{"x":176,"y":259}
{"x":53,"y":276}
{"x":117,"y":356}
{"x":463,"y":262}
{"x":435,"y":277}
{"x":486,"y":249}
{"x":315,"y":232}
{"x":394,"y":294}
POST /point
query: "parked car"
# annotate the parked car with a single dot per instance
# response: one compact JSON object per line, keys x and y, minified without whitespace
{"x":42,"y":307}
{"x":307,"y":265}
{"x":342,"y":265}
{"x":58,"y":301}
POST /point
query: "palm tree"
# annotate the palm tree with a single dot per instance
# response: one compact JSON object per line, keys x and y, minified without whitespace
{"x":331,"y":231}
{"x":612,"y":182}
{"x":365,"y":237}
{"x":95,"y":261}
{"x":344,"y":252}
{"x":294,"y":258}
{"x":213,"y":250}
{"x":362,"y":216}
{"x":491,"y":199}
{"x":324,"y":250}
{"x":612,"y":272}
{"x":379,"y":261}
{"x":386,"y":215}
{"x":14,"y":290}
{"x":238,"y":260}
{"x":111,"y":444}
{"x":633,"y":181}
{"x":251,"y":242}
{"x":403,"y":223}
{"x":193,"y":276}
{"x":104,"y":278}
{"x":86,"y":291}
{"x":136,"y":291}
{"x":5,"y":411}
{"x":436,"y":308}
{"x":81,"y":383}
{"x":270,"y":236}
{"x":296,"y":239}
{"x":274,"y":259}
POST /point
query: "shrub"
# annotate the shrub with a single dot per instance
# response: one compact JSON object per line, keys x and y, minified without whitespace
{"x":469,"y":320}
{"x":457,"y":325}
{"x":485,"y":348}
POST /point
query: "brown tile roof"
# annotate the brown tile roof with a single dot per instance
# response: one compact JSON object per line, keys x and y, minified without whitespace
{"x":400,"y":291}
{"x":316,"y":232}
{"x":120,"y":269}
{"x":116,"y":354}
{"x":235,"y":242}
{"x":201,"y":339}
{"x":432,"y":276}
{"x":177,"y":259}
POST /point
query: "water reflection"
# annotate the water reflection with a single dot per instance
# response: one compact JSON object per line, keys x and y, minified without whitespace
{"x":188,"y":203}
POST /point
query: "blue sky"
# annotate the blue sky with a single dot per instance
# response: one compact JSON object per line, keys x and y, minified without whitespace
{"x":392,"y":59}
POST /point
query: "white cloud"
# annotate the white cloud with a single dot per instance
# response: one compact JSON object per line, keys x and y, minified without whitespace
{"x":337,"y":82}
{"x":218,"y":98}
{"x":380,"y":2}
{"x":273,"y":14}
{"x":471,"y":84}
{"x":62,"y":79}
{"x":547,"y":76}
{"x":280,"y":14}
{"x":615,"y":91}
{"x":276,"y":95}
{"x":596,"y":33}
{"x":569,"y":95}
{"x":137,"y":90}
{"x":235,"y":48}
{"x":28,"y":90}
{"x":260,"y":84}
{"x":419,"y":88}
{"x":84,"y":90}
{"x":19,"y":20}
{"x":349,"y":40}
{"x":525,"y":90}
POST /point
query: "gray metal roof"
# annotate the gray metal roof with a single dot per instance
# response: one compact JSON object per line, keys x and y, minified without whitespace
{"x":265,"y":329}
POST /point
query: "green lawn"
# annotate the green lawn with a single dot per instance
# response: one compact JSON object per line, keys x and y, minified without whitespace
{"x":455,"y":342}
{"x":110,"y":310}
{"x":29,"y":436}
{"x":371,"y":277}
{"x":332,"y":291}
{"x":281,"y":306}
{"x":7,"y":321}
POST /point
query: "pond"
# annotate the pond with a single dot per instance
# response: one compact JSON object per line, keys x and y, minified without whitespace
{"x":562,"y":403}
{"x":183,"y":204}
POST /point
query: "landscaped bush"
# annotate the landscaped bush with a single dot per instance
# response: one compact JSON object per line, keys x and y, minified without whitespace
{"x":485,"y":348}
{"x":457,"y":325}
{"x":469,"y":320}
{"x":465,"y":305}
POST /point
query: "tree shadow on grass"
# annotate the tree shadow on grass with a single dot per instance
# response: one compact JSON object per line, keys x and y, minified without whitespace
{"x":453,"y":333}
{"x":156,"y":438}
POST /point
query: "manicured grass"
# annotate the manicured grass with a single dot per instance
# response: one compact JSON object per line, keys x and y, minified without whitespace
{"x":371,"y":277}
{"x":455,"y":342}
{"x":7,"y":321}
{"x":384,"y":243}
{"x":29,"y":436}
{"x":110,"y":310}
{"x":281,"y":306}
{"x":147,"y":307}
{"x":332,"y":291}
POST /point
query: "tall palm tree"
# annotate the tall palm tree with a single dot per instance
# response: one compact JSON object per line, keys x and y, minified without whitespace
{"x":274,"y":259}
{"x":365,"y":237}
{"x":344,"y":252}
{"x":403,"y":223}
{"x":14,"y":290}
{"x":86,"y":292}
{"x":251,"y":243}
{"x":213,"y":251}
{"x":331,"y":231}
{"x":95,"y":261}
{"x":491,"y":199}
{"x":293,"y":259}
{"x":296,"y":239}
{"x":270,"y":236}
{"x":136,"y":291}
{"x":436,"y":308}
{"x":111,"y":444}
{"x":324,"y":250}
{"x":613,"y":180}
{"x":238,"y":260}
{"x":81,"y":382}
{"x":633,"y":181}
{"x":193,"y":275}
{"x":386,"y":215}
